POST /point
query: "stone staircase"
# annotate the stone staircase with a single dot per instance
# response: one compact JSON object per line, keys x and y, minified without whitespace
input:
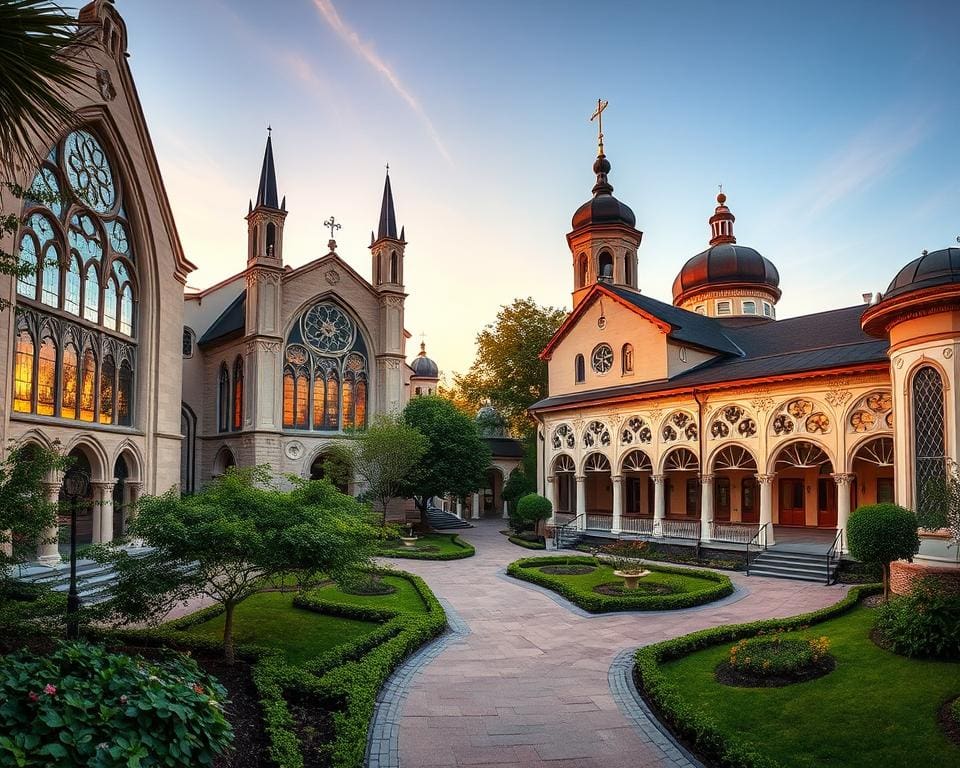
{"x":567,"y":537}
{"x":94,"y":579}
{"x":444,"y":521}
{"x":790,"y":564}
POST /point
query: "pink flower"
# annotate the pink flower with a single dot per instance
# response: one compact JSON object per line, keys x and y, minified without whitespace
{"x":50,"y":690}
{"x":197,"y":688}
{"x":33,"y":696}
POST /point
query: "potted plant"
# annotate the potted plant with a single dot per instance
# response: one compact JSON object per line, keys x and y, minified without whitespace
{"x":410,"y":540}
{"x":630,"y":571}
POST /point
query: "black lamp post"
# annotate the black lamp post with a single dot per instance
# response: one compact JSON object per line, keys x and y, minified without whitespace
{"x":75,"y":484}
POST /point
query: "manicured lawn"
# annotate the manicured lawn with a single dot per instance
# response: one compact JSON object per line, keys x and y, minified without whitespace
{"x":875,"y":709}
{"x":430,"y":546}
{"x":404,"y":599}
{"x":270,"y":619}
{"x":604,"y":575}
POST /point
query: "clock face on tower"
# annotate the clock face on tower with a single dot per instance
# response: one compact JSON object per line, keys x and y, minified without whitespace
{"x":327,"y":329}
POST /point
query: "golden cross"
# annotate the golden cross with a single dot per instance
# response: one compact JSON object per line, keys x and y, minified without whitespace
{"x":598,"y":116}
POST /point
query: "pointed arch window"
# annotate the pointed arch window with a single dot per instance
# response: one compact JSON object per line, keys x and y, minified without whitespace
{"x":394,"y":267}
{"x":125,"y":395}
{"x":580,"y":369}
{"x":238,"y":394}
{"x":110,"y":304}
{"x":319,"y":398}
{"x":50,"y":287}
{"x":70,"y":378}
{"x":88,"y":385}
{"x":360,"y":404}
{"x":108,"y":376}
{"x":27,"y":278}
{"x":71,"y":297}
{"x":288,"y":398}
{"x":91,"y":295}
{"x":331,"y":419}
{"x":626,"y":358}
{"x":223,"y":399}
{"x":929,"y":443}
{"x":347,"y":400}
{"x":301,"y":400}
{"x":271,"y":238}
{"x":23,"y":373}
{"x":126,"y":311}
{"x":47,"y":378}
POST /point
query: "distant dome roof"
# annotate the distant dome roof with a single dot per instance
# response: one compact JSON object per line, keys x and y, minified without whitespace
{"x":725,"y":264}
{"x":491,"y":421}
{"x":603,"y":207}
{"x":423,"y":366}
{"x":931,"y":269}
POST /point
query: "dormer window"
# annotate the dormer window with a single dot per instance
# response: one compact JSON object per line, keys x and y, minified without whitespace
{"x":724,"y":308}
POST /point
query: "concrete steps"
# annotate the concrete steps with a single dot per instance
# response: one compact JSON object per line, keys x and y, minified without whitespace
{"x":94,"y":580}
{"x":445,"y":521}
{"x":786,"y":564}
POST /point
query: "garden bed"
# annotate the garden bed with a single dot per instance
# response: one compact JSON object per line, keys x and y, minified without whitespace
{"x":429,"y":546}
{"x":874,"y":709}
{"x":688,"y":587}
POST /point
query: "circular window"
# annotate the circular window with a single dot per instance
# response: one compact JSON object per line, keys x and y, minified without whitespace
{"x":327,"y":329}
{"x":602,"y":358}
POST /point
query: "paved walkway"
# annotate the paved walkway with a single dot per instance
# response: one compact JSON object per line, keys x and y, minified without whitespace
{"x":528,"y":685}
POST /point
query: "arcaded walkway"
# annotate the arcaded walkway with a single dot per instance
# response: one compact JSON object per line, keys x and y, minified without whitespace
{"x":528,"y":685}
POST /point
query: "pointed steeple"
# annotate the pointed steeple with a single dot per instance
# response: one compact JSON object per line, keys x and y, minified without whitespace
{"x":721,"y":223}
{"x":388,"y":217}
{"x":267,"y":190}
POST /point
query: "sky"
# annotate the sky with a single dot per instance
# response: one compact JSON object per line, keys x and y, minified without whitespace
{"x":833,"y":127}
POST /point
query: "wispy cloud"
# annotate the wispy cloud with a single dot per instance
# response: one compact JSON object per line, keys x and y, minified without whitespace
{"x":366,"y":51}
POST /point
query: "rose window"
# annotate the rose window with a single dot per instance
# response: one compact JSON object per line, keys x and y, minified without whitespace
{"x":89,"y":172}
{"x":327,"y":329}
{"x":602,"y":358}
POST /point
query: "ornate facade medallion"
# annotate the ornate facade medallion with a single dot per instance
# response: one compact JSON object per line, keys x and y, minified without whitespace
{"x":294,"y":449}
{"x":332,"y":276}
{"x":105,"y":85}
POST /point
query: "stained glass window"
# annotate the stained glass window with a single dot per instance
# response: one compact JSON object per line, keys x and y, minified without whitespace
{"x":110,"y":304}
{"x":91,"y":296}
{"x":223,"y":399}
{"x":47,"y":377}
{"x":348,"y":403}
{"x":332,"y":418}
{"x":126,"y":311}
{"x":319,"y":398}
{"x":88,"y":385}
{"x":27,"y":280}
{"x":301,"y":401}
{"x":125,"y":395}
{"x":71,"y":299}
{"x":68,"y":396}
{"x":928,"y":433}
{"x":23,"y":373}
{"x":108,"y":372}
{"x":360,"y":421}
{"x":50,"y":287}
{"x":238,"y":394}
{"x":288,"y":399}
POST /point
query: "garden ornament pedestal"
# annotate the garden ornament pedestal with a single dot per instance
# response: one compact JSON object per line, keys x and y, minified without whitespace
{"x":631,"y":579}
{"x":409,"y":541}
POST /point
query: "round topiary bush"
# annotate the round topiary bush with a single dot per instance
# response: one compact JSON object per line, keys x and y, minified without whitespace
{"x":83,"y":705}
{"x":533,"y":508}
{"x":773,"y":661}
{"x":881,"y":533}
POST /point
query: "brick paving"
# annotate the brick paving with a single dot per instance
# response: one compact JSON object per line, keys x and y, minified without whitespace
{"x":534,"y":684}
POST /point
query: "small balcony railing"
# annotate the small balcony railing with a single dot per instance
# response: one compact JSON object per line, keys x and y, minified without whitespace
{"x":642,"y":526}
{"x":599,"y":522}
{"x":733,"y":533}
{"x":680,"y":529}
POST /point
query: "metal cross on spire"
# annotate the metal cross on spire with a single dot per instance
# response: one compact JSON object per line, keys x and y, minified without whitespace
{"x":332,"y":225}
{"x":598,"y":116}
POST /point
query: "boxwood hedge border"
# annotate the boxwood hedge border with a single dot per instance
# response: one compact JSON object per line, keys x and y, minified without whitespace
{"x":466,"y":550}
{"x":525,"y":569}
{"x":348,"y":677}
{"x":688,"y":723}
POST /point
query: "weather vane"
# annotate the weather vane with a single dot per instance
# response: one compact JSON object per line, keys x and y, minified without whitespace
{"x":332,"y":225}
{"x":598,"y":116}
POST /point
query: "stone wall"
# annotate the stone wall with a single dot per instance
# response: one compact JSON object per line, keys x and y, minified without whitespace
{"x":904,"y":575}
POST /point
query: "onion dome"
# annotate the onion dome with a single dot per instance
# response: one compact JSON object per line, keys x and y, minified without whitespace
{"x":423,"y":366}
{"x":490,"y":421}
{"x":603,"y":208}
{"x":931,"y":269}
{"x":725,"y":263}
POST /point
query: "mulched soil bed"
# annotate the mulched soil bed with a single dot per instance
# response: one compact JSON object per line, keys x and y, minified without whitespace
{"x":567,"y":570}
{"x":950,"y":725}
{"x":727,"y":676}
{"x":874,"y":601}
{"x":617,"y":589}
{"x":249,"y":740}
{"x":313,"y":723}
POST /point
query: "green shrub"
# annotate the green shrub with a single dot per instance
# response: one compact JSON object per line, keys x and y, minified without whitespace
{"x":527,"y":542}
{"x":687,"y":720}
{"x":528,"y":569}
{"x":464,"y":549}
{"x":776,"y":655}
{"x":881,"y":533}
{"x":925,"y":623}
{"x":955,"y":711}
{"x":83,"y":705}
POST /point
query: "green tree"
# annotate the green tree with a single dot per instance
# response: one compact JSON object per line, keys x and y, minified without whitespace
{"x":881,"y":533}
{"x":382,"y":456}
{"x":456,"y":459}
{"x":533,"y":509}
{"x":25,"y":512}
{"x":507,"y":369}
{"x":227,"y":540}
{"x":518,"y":484}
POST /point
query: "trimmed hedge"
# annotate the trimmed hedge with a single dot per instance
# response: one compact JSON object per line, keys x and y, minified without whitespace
{"x":466,"y":550}
{"x":692,"y":725}
{"x":526,"y":544}
{"x":525,"y":569}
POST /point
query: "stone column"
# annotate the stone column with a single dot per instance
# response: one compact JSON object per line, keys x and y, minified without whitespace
{"x":766,"y":505}
{"x":551,"y":493}
{"x":706,"y":506}
{"x":659,"y":504}
{"x":843,"y":481}
{"x":102,"y":512}
{"x":460,"y":508}
{"x":617,"y":503}
{"x":581,"y":510}
{"x":476,"y":506}
{"x":48,"y":551}
{"x":506,"y":511}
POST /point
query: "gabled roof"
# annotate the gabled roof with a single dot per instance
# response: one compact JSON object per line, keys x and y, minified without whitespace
{"x":230,"y":323}
{"x":679,"y":324}
{"x":798,"y":347}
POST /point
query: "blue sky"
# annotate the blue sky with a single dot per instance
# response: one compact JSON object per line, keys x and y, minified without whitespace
{"x":833,"y":127}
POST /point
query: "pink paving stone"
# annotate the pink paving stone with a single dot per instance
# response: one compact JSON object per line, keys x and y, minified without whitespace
{"x":530,"y":680}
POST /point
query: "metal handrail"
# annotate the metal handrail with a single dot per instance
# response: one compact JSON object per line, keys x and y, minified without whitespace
{"x":835,"y":551}
{"x":559,"y":531}
{"x":760,"y":540}
{"x":734,"y":533}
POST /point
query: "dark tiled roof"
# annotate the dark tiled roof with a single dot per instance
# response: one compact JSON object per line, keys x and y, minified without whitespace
{"x":230,"y":322}
{"x":505,"y":447}
{"x":688,"y":327}
{"x":814,"y":342}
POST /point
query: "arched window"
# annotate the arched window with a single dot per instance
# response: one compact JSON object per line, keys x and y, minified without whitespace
{"x":626,"y":358}
{"x":238,"y":393}
{"x":627,"y":267}
{"x":606,"y":267}
{"x":23,"y":373}
{"x":319,"y":398}
{"x":70,"y":378}
{"x":379,"y":270}
{"x":360,"y":404}
{"x":301,"y":400}
{"x":288,"y":399}
{"x":82,"y":264}
{"x":581,"y":270}
{"x":580,"y":369}
{"x":929,"y":444}
{"x":125,"y":395}
{"x":223,"y":399}
{"x":271,"y":238}
{"x":394,"y":267}
{"x":88,"y":385}
{"x":47,"y":378}
{"x":331,"y":419}
{"x":108,"y":373}
{"x":347,"y":400}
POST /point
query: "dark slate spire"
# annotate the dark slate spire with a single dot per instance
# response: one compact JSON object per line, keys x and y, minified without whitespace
{"x":388,"y":218}
{"x":267,"y":191}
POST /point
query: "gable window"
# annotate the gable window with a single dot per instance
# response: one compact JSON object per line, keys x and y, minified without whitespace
{"x":601,"y":359}
{"x":724,"y":308}
{"x":749,"y":307}
{"x":626,"y":357}
{"x":580,"y":369}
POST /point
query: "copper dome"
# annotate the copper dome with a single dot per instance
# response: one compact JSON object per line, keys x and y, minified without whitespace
{"x":603,"y":207}
{"x":726,"y":264}
{"x":931,"y":269}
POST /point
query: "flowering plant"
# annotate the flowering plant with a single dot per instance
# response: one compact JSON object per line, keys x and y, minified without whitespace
{"x":777,"y":655}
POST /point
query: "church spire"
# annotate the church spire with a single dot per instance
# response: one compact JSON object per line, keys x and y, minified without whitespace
{"x":267,"y":190}
{"x":721,"y":223}
{"x":388,"y":217}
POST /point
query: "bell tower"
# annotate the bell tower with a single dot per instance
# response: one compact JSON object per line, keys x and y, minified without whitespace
{"x":265,"y":220}
{"x":387,"y":252}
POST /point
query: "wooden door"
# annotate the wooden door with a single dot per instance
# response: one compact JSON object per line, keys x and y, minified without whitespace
{"x":826,"y":502}
{"x":721,"y":499}
{"x":793,"y":509}
{"x":749,"y":504}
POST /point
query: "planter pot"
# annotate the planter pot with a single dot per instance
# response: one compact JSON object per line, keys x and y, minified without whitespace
{"x":409,"y":541}
{"x":631,"y":580}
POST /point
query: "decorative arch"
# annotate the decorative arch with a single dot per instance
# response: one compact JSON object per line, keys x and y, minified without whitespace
{"x":129,"y":452}
{"x":563,"y":437}
{"x":596,"y":434}
{"x":680,"y":460}
{"x":732,"y":458}
{"x":223,"y":460}
{"x":564,"y":463}
{"x":679,"y":426}
{"x":877,"y":450}
{"x":635,"y":431}
{"x":801,"y":454}
{"x":636,"y":461}
{"x":732,"y":420}
{"x":101,"y":470}
{"x":605,"y":265}
{"x":799,"y":416}
{"x":596,"y":462}
{"x":871,"y":413}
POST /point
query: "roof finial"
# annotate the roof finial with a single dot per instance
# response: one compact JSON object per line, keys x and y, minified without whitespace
{"x":721,"y":198}
{"x":269,"y":130}
{"x":598,"y":116}
{"x":333,"y":226}
{"x":388,"y":169}
{"x":721,"y":223}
